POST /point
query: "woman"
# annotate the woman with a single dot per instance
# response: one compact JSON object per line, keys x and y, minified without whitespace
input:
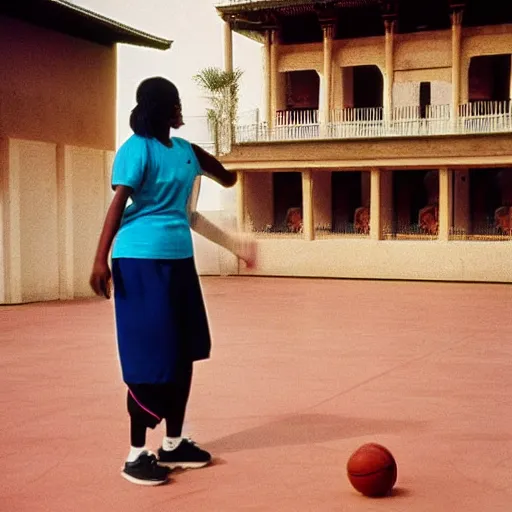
{"x":162,"y":327}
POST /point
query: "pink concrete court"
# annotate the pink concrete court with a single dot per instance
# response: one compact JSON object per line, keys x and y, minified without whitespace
{"x":302,"y":373}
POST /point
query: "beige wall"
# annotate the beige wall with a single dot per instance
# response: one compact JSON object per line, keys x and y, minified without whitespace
{"x":406,"y":94}
{"x":57,"y":136}
{"x":34,"y":189}
{"x":423,"y":50}
{"x":372,"y":259}
{"x":359,"y":52}
{"x":406,"y":88}
{"x":4,"y":199}
{"x":300,"y":57}
{"x":56,"y":88}
{"x":85,"y":176}
{"x":52,"y":205}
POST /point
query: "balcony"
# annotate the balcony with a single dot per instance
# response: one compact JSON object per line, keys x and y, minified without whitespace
{"x":482,"y":117}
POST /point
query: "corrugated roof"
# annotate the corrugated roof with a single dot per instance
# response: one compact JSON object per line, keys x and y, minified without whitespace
{"x":68,"y":18}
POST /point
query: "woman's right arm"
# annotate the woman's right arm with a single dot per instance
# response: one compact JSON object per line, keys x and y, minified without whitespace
{"x":101,"y":275}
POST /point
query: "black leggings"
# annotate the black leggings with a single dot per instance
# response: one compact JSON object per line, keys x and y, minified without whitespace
{"x":149,"y":404}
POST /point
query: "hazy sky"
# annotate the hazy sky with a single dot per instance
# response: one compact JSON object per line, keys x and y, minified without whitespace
{"x":197,"y":32}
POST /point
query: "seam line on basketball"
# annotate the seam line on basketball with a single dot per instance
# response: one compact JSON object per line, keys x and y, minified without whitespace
{"x":387,"y":468}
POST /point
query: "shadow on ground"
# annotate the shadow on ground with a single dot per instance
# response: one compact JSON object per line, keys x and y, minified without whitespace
{"x":305,"y":429}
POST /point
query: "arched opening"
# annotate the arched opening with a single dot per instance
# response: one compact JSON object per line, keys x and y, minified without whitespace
{"x":363,"y":87}
{"x":489,"y":78}
{"x":302,"y":91}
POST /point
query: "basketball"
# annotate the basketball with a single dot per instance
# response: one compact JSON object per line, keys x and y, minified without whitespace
{"x":372,"y":470}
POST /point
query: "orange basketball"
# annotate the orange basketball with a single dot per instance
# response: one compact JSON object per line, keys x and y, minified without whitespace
{"x":372,"y":470}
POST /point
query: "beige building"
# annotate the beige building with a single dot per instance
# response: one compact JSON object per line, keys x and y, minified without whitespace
{"x":384,"y":148}
{"x":57,"y":140}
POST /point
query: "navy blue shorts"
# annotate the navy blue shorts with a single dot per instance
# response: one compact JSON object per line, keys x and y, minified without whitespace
{"x":161,"y":318}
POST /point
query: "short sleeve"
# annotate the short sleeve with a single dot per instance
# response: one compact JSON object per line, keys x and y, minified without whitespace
{"x":194,"y":162}
{"x":130,"y":163}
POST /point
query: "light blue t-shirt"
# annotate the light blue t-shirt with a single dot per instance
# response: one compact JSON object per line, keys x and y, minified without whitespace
{"x":156,"y":224}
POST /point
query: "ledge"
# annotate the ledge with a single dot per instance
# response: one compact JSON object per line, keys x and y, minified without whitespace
{"x":480,"y":150}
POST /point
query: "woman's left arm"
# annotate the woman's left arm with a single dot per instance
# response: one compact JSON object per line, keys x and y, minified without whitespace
{"x":212,"y":168}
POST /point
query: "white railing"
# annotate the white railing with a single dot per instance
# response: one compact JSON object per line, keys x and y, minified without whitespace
{"x":409,"y":121}
{"x":355,"y":122}
{"x":415,"y":121}
{"x":485,"y":117}
{"x":299,"y":124}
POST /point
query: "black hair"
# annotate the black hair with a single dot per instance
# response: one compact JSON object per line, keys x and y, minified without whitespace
{"x":158,"y":105}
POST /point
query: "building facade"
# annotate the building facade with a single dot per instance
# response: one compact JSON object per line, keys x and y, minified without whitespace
{"x":57,"y":141}
{"x":384,"y":148}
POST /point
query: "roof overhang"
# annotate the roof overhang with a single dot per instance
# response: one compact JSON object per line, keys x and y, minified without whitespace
{"x":68,"y":18}
{"x":236,"y":6}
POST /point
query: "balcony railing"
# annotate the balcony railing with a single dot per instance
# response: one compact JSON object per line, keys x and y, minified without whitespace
{"x":413,"y":121}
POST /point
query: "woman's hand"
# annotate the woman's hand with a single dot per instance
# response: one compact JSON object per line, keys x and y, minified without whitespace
{"x":100,"y":280}
{"x":247,"y":250}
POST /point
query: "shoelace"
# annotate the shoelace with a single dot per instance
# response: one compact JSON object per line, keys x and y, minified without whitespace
{"x":153,"y":461}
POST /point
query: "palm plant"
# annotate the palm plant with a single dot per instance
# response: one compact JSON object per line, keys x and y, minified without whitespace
{"x":222,"y":89}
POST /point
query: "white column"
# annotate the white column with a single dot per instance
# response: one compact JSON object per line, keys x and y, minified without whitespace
{"x":228,"y":67}
{"x":456,"y":63}
{"x":307,"y":205}
{"x":326,"y":94}
{"x":510,"y":79}
{"x":389,"y":41}
{"x":375,"y":205}
{"x":445,"y":203}
{"x":267,"y":79}
{"x":273,"y":75}
{"x":228,"y":47}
